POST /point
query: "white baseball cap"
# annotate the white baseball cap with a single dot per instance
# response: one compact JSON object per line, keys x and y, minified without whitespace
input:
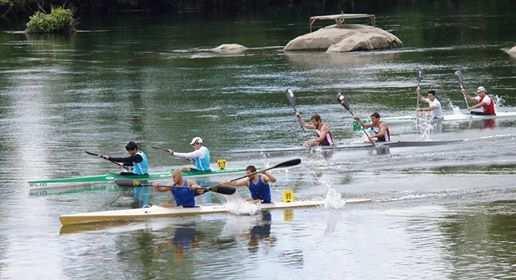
{"x":481,"y":88}
{"x":196,"y":140}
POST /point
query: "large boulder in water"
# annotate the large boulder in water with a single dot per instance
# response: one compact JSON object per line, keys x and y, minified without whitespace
{"x":229,"y":49}
{"x":345,"y":38}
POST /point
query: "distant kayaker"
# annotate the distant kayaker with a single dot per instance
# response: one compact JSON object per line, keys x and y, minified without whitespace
{"x":183,"y":191}
{"x":258,"y":184}
{"x":200,"y":156}
{"x":484,"y":104}
{"x":136,"y":163}
{"x":434,"y":106}
{"x":322,"y":131}
{"x":380,"y":130}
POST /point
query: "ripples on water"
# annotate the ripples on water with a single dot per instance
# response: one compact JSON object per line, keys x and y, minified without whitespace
{"x":437,"y":212}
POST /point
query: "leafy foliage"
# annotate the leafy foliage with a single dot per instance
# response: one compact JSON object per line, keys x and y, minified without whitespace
{"x":60,"y":20}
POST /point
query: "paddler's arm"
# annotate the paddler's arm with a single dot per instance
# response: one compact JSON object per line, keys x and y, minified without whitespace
{"x":302,"y":122}
{"x":125,"y":160}
{"x":472,"y":98}
{"x":322,"y":136}
{"x":268,"y":177}
{"x":191,"y":155}
{"x":479,"y":104}
{"x":361,"y":123}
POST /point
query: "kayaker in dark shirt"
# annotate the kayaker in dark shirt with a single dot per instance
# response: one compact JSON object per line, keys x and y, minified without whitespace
{"x":137,"y":162}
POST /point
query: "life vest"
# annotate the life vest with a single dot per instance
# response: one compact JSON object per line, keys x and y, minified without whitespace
{"x":142,"y":167}
{"x":488,"y":109}
{"x":183,"y":195}
{"x":328,"y":140}
{"x":203,"y":163}
{"x":260,"y":190}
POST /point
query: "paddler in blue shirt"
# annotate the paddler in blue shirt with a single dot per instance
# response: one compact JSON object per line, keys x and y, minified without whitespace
{"x":182,"y":191}
{"x":257,"y":183}
{"x":136,"y":163}
{"x":200,"y":156}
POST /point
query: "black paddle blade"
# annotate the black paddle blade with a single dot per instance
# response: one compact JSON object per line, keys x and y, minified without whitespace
{"x":222,"y":190}
{"x":343,"y":101}
{"x":419,"y":75}
{"x":288,"y":163}
{"x":131,"y":183}
{"x":92,"y":154}
{"x":460,"y":77}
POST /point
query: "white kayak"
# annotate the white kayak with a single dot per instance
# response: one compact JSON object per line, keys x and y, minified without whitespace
{"x":159,"y":211}
{"x":458,"y":117}
{"x":354,"y":146}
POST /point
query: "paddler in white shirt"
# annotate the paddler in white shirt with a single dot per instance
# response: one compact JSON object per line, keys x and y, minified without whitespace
{"x":323,"y":136}
{"x":200,"y":156}
{"x":434,"y":106}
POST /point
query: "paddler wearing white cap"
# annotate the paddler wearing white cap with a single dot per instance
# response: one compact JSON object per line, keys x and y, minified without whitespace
{"x":200,"y":156}
{"x":484,"y":104}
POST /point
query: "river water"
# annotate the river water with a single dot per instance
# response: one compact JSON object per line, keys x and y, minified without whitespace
{"x":441,"y":212}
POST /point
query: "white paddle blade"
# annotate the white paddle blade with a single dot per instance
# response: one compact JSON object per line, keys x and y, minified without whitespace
{"x":291,"y":97}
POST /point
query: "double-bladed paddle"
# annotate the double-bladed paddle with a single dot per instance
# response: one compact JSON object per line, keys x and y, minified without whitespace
{"x":292,"y":101}
{"x":288,"y":163}
{"x":137,"y":183}
{"x":460,"y":79}
{"x":380,"y":149}
{"x":112,"y":161}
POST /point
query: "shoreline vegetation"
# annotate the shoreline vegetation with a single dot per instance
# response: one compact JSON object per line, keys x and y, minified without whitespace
{"x":22,"y":9}
{"x":59,"y":20}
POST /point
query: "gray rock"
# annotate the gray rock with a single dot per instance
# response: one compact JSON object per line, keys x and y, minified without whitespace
{"x":229,"y":49}
{"x":348,"y":37}
{"x":512,"y":52}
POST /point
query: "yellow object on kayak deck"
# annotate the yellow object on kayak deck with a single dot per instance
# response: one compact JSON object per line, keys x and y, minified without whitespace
{"x":287,"y":195}
{"x":221,"y":163}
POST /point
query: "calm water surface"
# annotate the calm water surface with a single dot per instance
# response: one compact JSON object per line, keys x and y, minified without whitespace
{"x":443,"y":212}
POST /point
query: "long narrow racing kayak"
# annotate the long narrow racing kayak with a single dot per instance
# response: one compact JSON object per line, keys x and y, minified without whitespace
{"x":71,"y":184}
{"x":454,"y":117}
{"x":158,"y":211}
{"x":395,"y":144}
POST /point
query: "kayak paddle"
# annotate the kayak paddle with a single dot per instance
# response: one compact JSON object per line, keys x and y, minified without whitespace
{"x":460,"y":79}
{"x":112,"y":161}
{"x":288,"y":163}
{"x":419,"y":77}
{"x":380,"y":149}
{"x":137,"y":183}
{"x":292,"y":101}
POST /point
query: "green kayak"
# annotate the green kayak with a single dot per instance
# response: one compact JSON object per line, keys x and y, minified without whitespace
{"x":74,"y":184}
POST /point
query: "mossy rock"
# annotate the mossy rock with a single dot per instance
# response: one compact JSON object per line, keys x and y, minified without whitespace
{"x":60,"y":20}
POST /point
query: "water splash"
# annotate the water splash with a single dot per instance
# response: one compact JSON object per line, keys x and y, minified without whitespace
{"x":499,"y":101}
{"x":239,"y":206}
{"x":333,"y":199}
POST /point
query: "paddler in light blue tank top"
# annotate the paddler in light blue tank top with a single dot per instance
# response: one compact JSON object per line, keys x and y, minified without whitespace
{"x":136,"y":163}
{"x":200,"y":156}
